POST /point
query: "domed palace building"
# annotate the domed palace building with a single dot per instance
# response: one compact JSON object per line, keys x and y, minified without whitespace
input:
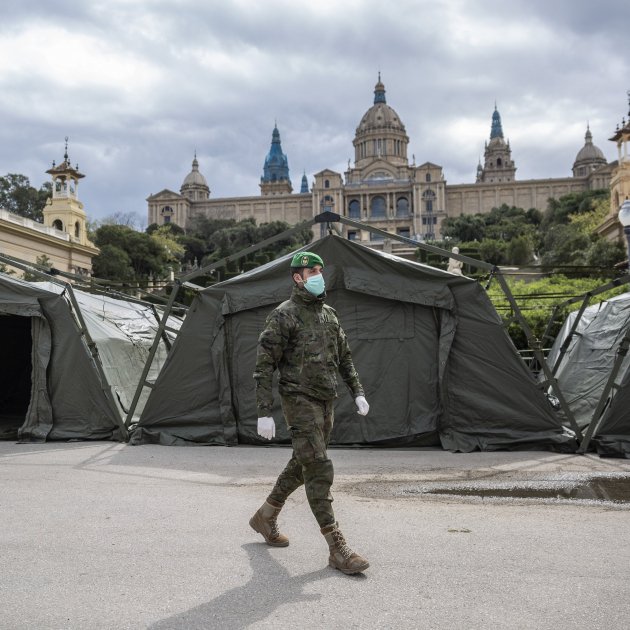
{"x":383,"y":189}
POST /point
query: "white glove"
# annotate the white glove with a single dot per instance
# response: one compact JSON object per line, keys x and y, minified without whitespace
{"x":267,"y":427}
{"x":362,"y":405}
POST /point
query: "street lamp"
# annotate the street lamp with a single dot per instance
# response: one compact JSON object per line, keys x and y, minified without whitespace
{"x":624,"y":219}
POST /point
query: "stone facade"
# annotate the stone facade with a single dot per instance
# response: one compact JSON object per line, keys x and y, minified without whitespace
{"x":382,"y":188}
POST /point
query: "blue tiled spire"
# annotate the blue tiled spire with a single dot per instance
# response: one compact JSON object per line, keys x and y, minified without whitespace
{"x":276,"y":167}
{"x":304,"y":187}
{"x":497,"y":129}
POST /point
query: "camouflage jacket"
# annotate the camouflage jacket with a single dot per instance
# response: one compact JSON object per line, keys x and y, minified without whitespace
{"x":303,"y":340}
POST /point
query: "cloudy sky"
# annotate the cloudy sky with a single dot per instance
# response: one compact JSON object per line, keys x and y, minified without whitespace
{"x":138,"y":86}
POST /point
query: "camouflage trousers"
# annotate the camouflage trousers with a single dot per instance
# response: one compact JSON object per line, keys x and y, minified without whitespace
{"x":310,"y":422}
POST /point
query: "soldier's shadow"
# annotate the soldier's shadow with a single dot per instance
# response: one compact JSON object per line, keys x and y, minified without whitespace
{"x":270,"y":587}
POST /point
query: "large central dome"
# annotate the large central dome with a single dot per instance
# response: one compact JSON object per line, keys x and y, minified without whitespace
{"x":380,"y":115}
{"x":381,"y":134}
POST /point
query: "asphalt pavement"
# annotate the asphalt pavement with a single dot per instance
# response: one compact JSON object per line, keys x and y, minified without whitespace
{"x":106,"y":535}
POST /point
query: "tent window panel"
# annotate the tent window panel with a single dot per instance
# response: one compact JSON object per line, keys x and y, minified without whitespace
{"x":400,"y":377}
{"x":384,"y":319}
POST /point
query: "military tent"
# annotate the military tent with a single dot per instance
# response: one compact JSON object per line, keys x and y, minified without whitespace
{"x":58,"y":384}
{"x":584,"y":364}
{"x":612,"y":438}
{"x":434,"y":359}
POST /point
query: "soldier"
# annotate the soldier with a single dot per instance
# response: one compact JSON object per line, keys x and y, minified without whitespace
{"x":302,"y":338}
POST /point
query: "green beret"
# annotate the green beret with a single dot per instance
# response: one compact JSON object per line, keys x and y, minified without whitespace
{"x":306,"y":259}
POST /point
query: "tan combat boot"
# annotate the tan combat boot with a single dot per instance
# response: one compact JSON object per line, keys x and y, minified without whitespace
{"x":264,"y":522}
{"x":341,"y":556}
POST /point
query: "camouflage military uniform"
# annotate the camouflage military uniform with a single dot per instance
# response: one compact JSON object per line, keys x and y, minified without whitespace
{"x":304,"y":341}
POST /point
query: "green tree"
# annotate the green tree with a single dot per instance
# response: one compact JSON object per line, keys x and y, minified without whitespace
{"x":194,"y":248}
{"x":519,"y":250}
{"x":168,"y":241}
{"x":170,"y":228}
{"x":466,"y":227}
{"x":18,"y":196}
{"x":569,"y":237}
{"x":113,"y":263}
{"x":564,"y":245}
{"x":560,"y":210}
{"x":203,"y":227}
{"x":605,"y":254}
{"x":146,"y":255}
{"x":493,"y":251}
{"x":508,"y":222}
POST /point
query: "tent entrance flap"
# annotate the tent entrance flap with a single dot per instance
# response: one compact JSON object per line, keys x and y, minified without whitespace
{"x":15,"y":373}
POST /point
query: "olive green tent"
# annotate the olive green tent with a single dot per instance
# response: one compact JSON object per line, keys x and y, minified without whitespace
{"x":437,"y":366}
{"x":59,"y":384}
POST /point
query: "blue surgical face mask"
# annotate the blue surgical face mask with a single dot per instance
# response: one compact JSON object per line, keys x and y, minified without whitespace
{"x":315,"y":284}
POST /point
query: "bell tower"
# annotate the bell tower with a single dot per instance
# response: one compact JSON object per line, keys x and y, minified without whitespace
{"x":275,"y":179}
{"x":64,"y":211}
{"x":498,"y":165}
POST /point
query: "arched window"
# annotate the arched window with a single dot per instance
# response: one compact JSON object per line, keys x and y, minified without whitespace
{"x":427,"y":177}
{"x":326,"y":183}
{"x":378,"y":207}
{"x":402,"y":207}
{"x":77,"y":229}
{"x":58,"y":224}
{"x":499,"y":162}
{"x":354,"y":209}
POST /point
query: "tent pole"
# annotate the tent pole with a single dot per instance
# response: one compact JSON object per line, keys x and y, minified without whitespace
{"x":91,"y":344}
{"x":156,"y":343}
{"x":165,"y":339}
{"x":596,"y":420}
{"x":554,"y":315}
